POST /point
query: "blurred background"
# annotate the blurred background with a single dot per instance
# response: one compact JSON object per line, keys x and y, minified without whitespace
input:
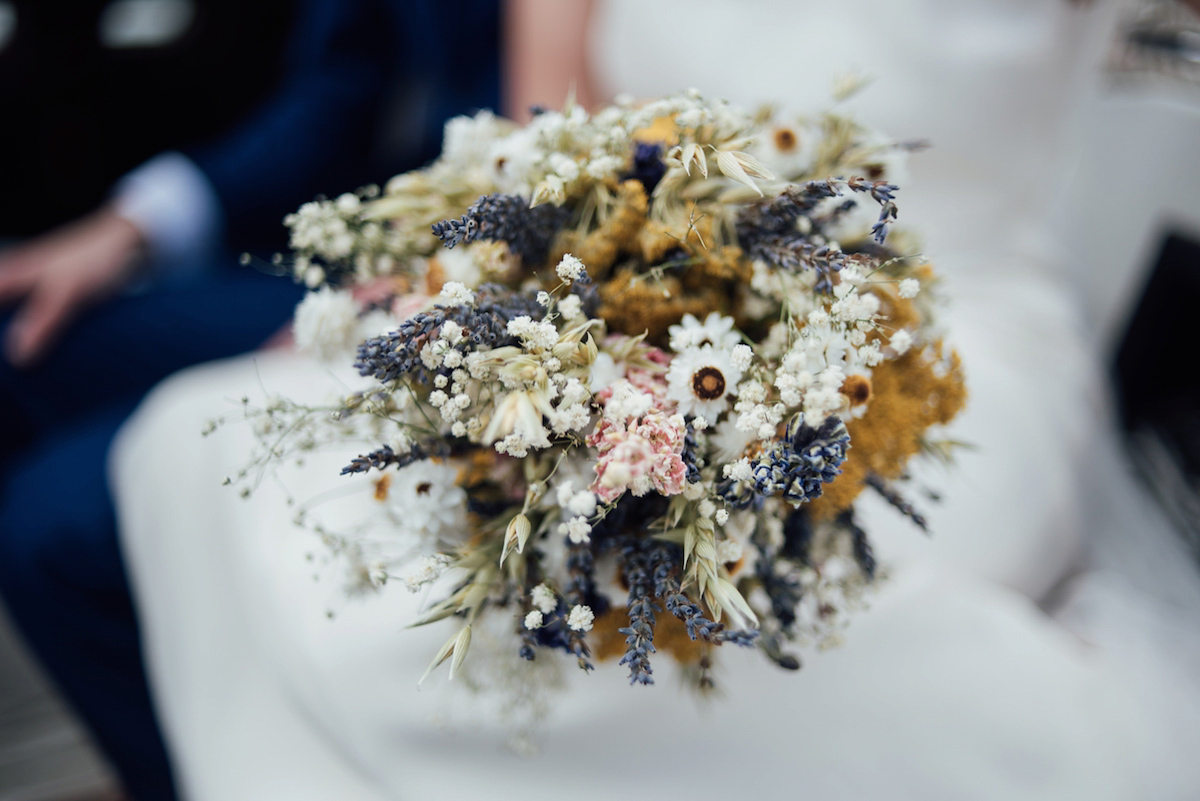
{"x":91,"y":89}
{"x":1130,"y":208}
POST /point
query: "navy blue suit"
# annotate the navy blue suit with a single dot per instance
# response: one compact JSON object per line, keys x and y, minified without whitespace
{"x":61,"y":572}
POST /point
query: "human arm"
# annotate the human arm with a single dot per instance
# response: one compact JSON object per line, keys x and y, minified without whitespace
{"x":172,"y":208}
{"x":546,"y":55}
{"x":60,"y":274}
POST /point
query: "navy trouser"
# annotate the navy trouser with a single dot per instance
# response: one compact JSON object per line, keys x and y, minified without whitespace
{"x":61,"y":572}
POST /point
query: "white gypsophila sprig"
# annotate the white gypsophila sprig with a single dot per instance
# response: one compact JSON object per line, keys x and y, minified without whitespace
{"x":544,"y":599}
{"x":323,"y":228}
{"x":456,"y":294}
{"x":580,"y":618}
{"x":326,"y":323}
{"x":570,"y":269}
{"x":426,"y":570}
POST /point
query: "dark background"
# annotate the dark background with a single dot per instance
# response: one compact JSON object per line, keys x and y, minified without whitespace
{"x":75,"y":115}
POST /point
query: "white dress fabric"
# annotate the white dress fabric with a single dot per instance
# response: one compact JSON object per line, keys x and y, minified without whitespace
{"x":273,"y":683}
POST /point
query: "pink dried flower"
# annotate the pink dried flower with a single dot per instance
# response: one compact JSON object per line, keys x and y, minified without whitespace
{"x":638,"y":456}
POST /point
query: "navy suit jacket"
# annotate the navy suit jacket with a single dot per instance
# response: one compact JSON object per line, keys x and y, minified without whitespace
{"x":349,"y":63}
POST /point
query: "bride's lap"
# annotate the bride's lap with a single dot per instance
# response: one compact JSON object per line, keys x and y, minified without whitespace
{"x":236,"y":603}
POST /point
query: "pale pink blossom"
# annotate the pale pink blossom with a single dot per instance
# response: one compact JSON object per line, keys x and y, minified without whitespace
{"x":639,"y":455}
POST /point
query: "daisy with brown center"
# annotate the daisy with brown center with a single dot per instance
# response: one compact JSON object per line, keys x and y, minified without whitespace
{"x":425,"y":503}
{"x":788,"y":150}
{"x":700,"y":379}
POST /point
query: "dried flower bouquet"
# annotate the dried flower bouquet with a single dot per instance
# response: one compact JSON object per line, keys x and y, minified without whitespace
{"x":629,"y":373}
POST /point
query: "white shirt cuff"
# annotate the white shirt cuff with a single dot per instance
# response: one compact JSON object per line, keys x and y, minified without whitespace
{"x":173,"y":204}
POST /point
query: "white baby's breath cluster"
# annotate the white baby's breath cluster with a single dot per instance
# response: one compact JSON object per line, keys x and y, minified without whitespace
{"x":326,"y":323}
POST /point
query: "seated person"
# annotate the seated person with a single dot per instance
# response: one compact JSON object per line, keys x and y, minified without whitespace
{"x":95,"y":325}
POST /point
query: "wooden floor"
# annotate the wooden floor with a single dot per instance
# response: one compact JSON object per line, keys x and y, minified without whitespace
{"x":45,"y":754}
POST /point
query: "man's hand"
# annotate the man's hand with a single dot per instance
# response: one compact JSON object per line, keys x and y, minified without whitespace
{"x":61,"y":273}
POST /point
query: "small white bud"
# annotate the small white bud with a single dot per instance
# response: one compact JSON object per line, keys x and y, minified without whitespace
{"x":570,"y":268}
{"x":544,"y":599}
{"x":581,"y":618}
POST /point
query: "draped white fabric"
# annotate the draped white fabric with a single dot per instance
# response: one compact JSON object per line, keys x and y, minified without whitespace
{"x":954,"y":684}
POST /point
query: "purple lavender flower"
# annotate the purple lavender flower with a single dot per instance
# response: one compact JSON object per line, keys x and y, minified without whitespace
{"x":506,"y":218}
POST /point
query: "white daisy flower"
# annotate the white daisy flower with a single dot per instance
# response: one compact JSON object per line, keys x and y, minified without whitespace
{"x":425,"y":502}
{"x":787,"y":150}
{"x":716,"y":330}
{"x":701,"y":379}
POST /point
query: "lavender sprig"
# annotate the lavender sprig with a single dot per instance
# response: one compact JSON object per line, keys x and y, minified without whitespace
{"x":639,"y":635}
{"x":885,"y":195}
{"x":804,"y":461}
{"x":383,"y":457}
{"x":664,"y":562}
{"x":768,"y":230}
{"x":648,"y":166}
{"x":533,"y":576}
{"x":797,"y":536}
{"x":893,"y":496}
{"x":785,"y":592}
{"x":863,"y":553}
{"x":506,"y":218}
{"x":689,"y":454}
{"x":485,"y":322}
{"x":581,"y":590}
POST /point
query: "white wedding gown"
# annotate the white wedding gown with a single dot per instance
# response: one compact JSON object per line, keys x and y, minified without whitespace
{"x":955,"y":684}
